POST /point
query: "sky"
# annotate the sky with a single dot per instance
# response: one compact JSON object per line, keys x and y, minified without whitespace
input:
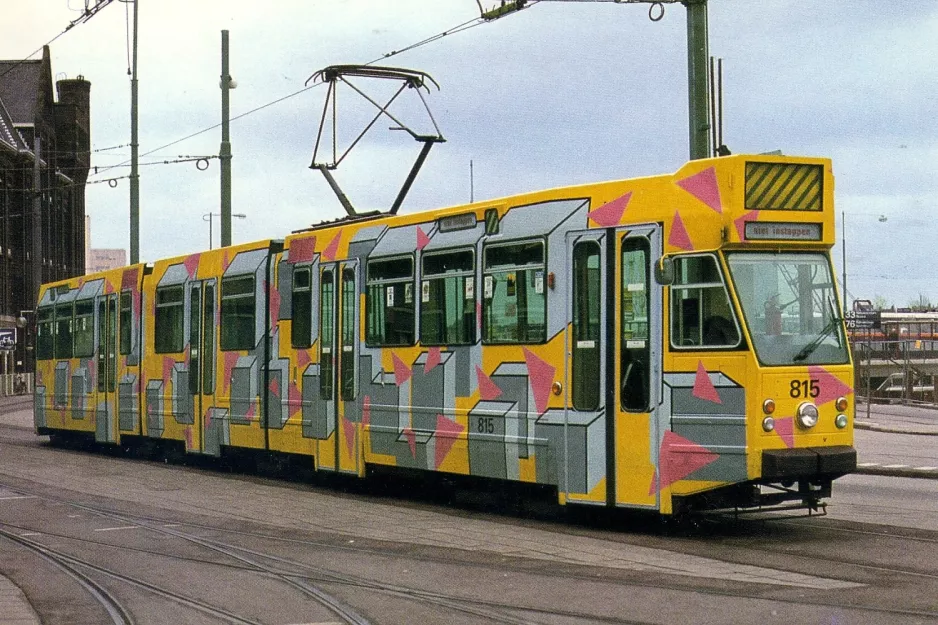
{"x":561,"y":93}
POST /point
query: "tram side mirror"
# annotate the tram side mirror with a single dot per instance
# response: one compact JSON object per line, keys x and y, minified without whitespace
{"x":664,"y":270}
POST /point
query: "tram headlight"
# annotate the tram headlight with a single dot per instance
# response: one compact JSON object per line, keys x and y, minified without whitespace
{"x":807,"y":415}
{"x":841,"y":404}
{"x":841,"y":421}
{"x":768,"y":424}
{"x":768,"y":406}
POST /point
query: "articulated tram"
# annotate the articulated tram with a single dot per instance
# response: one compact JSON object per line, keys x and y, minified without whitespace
{"x":670,"y":343}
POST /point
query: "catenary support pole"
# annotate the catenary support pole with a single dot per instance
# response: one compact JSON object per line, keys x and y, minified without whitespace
{"x":224,"y":152}
{"x":698,"y":99}
{"x":134,"y":155}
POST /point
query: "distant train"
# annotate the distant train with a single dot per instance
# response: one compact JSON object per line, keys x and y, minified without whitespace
{"x":670,"y":343}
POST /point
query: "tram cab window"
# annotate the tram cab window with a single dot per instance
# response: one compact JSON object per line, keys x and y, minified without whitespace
{"x":447,"y":299}
{"x":45,"y":328}
{"x":126,"y":323}
{"x":389,"y":303}
{"x":514,"y":300}
{"x":301,"y":331}
{"x":168,"y":324}
{"x":701,"y":313}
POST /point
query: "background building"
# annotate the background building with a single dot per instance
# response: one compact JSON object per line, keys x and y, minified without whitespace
{"x":44,"y":161}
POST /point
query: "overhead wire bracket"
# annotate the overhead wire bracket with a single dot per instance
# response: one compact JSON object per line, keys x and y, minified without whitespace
{"x":409,"y":79}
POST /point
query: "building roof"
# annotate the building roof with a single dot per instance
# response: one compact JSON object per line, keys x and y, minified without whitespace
{"x":9,"y":138}
{"x":20,"y":86}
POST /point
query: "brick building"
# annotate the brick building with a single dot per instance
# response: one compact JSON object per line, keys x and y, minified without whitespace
{"x":35,"y":128}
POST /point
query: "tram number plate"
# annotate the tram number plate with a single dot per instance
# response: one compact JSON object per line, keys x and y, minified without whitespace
{"x":805,"y":388}
{"x":486,"y":425}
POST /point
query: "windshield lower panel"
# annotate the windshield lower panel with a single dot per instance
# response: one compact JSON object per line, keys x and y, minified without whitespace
{"x":790,"y":307}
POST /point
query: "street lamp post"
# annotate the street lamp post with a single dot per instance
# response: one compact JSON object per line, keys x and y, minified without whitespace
{"x":210,"y":216}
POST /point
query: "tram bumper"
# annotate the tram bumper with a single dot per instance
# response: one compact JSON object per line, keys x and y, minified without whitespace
{"x":808,"y":462}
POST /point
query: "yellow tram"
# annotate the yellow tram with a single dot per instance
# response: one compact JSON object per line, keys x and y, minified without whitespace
{"x":670,"y":343}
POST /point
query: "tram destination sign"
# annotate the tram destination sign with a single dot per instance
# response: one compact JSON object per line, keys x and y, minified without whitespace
{"x":863,"y":319}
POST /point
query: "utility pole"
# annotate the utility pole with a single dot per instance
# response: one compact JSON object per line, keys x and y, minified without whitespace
{"x":697,"y":93}
{"x":134,"y":158}
{"x":224,"y":152}
{"x":37,"y":219}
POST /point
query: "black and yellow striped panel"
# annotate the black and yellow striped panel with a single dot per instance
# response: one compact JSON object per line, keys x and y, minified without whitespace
{"x":784,"y":186}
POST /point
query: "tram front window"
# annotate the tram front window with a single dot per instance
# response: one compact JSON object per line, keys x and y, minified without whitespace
{"x":790,"y":306}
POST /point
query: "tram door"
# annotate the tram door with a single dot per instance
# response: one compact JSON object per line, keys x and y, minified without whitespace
{"x":338,"y":352}
{"x":636,"y":363}
{"x":106,"y":349}
{"x":202,"y":336}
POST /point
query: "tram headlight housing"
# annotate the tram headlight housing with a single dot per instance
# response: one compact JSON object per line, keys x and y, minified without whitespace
{"x":768,"y":424}
{"x":841,"y":404}
{"x":807,"y":415}
{"x":768,"y":406}
{"x":841,"y":421}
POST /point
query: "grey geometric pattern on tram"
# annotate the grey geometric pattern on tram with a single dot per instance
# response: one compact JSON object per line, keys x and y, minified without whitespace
{"x":155,"y":408}
{"x":432,"y":393}
{"x":243,"y":389}
{"x":318,"y":413}
{"x":490,"y":454}
{"x":182,"y":402}
{"x":719,"y":427}
{"x":512,"y":379}
{"x":584,"y":452}
{"x":278,"y":403}
{"x":104,"y":423}
{"x":39,"y":406}
{"x":385,"y":399}
{"x":285,"y":287}
{"x":81,"y":388}
{"x":364,"y":241}
{"x":126,"y":403}
{"x":60,"y":393}
{"x":216,"y":431}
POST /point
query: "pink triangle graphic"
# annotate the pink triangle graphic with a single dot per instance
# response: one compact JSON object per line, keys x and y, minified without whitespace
{"x":679,"y":457}
{"x":188,"y":437}
{"x":207,"y":418}
{"x":610,"y":213}
{"x":333,"y":247}
{"x":366,"y":411}
{"x":302,"y":250}
{"x":250,"y":412}
{"x":402,"y":372}
{"x":653,"y":487}
{"x":422,"y":238}
{"x":703,"y":387}
{"x":295,"y":398}
{"x":274,"y":294}
{"x":274,"y":387}
{"x":191,"y":264}
{"x":447,"y":431}
{"x":433,"y":359}
{"x":231,"y":358}
{"x":225,"y":262}
{"x":108,"y":287}
{"x":540,"y":377}
{"x":411,"y":440}
{"x":349,"y":428}
{"x":168,"y":364}
{"x":679,"y":237}
{"x":704,"y":187}
{"x":303,"y":358}
{"x":785,"y":428}
{"x":129,"y":279}
{"x":830,"y":386}
{"x":740,"y":223}
{"x":487,"y":389}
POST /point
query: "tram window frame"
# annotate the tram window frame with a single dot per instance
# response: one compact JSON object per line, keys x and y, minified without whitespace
{"x":238,"y":313}
{"x":83,"y":329}
{"x":390,"y":281}
{"x":498,"y":272}
{"x":301,"y":313}
{"x":45,"y":333}
{"x":63,"y":331}
{"x":126,"y":322}
{"x":587,"y":325}
{"x":448,"y":273}
{"x":704,"y":314}
{"x":169,"y":320}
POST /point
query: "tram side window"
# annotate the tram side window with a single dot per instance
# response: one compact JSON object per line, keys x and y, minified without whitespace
{"x":169,"y":320}
{"x":301,"y":331}
{"x":237,"y":313}
{"x":45,"y":339}
{"x":701,"y":314}
{"x":63,"y":331}
{"x":447,"y":299}
{"x":126,"y":316}
{"x":84,"y":329}
{"x":389,"y":304}
{"x":514,"y":299}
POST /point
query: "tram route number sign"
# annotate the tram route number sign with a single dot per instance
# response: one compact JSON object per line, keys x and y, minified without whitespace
{"x":863,"y":319}
{"x":7,"y":338}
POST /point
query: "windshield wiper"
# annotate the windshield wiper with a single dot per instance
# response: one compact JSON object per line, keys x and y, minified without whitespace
{"x":808,"y":349}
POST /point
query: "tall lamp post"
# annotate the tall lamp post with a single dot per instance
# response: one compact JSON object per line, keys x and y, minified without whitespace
{"x":843,"y":249}
{"x":210,"y":216}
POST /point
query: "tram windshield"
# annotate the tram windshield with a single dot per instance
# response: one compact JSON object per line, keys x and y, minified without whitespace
{"x":790,"y":306}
